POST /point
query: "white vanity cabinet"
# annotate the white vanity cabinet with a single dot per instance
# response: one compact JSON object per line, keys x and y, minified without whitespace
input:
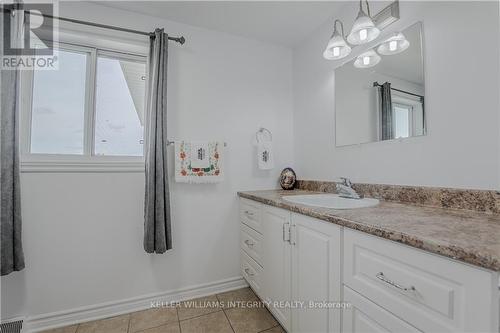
{"x":391,"y":287}
{"x":300,"y":259}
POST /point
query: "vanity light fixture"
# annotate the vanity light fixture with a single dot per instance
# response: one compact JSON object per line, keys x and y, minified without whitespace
{"x":363,"y":29}
{"x":337,"y":47}
{"x":394,"y":45}
{"x":366,"y":60}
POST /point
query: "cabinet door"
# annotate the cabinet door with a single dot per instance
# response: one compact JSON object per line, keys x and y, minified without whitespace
{"x":316,"y":274}
{"x":365,"y":316}
{"x":276,"y":262}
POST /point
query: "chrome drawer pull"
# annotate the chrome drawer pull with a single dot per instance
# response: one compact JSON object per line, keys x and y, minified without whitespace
{"x":382,"y":277}
{"x":249,"y":213}
{"x":247,"y":270}
{"x":249,"y":243}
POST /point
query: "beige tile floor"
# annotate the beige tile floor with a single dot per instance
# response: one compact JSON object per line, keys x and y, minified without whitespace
{"x":213,"y":314}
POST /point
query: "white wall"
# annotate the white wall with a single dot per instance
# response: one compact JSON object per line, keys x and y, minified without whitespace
{"x":83,"y":231}
{"x":461,"y":41}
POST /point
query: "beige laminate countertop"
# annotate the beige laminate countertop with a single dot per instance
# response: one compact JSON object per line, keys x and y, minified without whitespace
{"x":467,"y":236}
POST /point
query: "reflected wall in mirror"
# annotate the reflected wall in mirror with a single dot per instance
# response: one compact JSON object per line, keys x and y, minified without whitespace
{"x":382,"y":100}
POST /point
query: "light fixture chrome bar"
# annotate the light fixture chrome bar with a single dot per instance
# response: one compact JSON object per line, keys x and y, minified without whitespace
{"x":387,"y":16}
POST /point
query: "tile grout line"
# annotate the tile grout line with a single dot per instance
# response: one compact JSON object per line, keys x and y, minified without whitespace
{"x":178,"y":319}
{"x":129,"y":320}
{"x":229,"y":321}
{"x":225,"y":314}
{"x":202,"y":315}
{"x":149,"y":328}
{"x":270,"y":328}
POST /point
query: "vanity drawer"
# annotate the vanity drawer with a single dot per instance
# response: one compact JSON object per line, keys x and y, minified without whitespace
{"x":430,"y":292}
{"x":251,"y":214}
{"x":252,"y":273}
{"x":364,"y":316}
{"x":251,"y":243}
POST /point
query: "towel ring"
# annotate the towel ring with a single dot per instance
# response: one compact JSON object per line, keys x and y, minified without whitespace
{"x":263,"y":131}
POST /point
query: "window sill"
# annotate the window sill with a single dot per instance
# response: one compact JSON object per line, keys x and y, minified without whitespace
{"x":53,"y":166}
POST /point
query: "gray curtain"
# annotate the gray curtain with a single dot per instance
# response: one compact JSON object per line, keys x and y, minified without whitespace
{"x":157,"y":230}
{"x":387,"y":126}
{"x":12,"y":257}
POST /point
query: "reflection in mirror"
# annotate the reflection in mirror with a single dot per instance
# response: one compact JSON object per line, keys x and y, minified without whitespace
{"x":383,"y":100}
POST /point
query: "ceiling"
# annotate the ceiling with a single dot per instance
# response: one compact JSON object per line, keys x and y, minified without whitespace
{"x":281,"y":22}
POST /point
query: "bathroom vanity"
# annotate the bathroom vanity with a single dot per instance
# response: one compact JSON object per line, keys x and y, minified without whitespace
{"x":397,"y":267}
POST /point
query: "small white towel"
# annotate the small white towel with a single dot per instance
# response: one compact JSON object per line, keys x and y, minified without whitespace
{"x":265,"y":155}
{"x":197,"y":162}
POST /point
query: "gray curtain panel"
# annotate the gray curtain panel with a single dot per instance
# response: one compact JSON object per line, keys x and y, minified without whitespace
{"x":157,"y":230}
{"x":387,"y":126}
{"x":12,"y":257}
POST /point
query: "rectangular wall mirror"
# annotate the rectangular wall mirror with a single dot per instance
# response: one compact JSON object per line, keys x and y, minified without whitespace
{"x":385,"y":101}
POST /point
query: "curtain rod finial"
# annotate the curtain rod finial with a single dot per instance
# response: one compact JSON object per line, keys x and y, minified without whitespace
{"x":182,"y":40}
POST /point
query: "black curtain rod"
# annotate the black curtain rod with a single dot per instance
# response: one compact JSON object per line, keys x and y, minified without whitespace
{"x":376,"y":84}
{"x":181,"y":40}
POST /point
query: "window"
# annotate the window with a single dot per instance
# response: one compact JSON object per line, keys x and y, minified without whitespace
{"x":408,"y":115}
{"x":58,"y":109}
{"x":92,"y":106}
{"x":402,"y":117}
{"x":119,"y":106}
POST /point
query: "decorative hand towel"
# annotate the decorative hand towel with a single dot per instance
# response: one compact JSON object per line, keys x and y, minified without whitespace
{"x":190,"y":164}
{"x":265,"y":155}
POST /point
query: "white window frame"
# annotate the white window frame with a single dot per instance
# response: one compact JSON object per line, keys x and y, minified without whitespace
{"x":410,"y":118}
{"x":88,"y":162}
{"x":412,"y":103}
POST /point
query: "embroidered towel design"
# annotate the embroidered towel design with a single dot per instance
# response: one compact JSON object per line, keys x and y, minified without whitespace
{"x":197,"y":162}
{"x":200,"y":158}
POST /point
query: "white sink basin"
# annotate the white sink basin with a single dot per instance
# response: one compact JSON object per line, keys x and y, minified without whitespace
{"x":331,"y":201}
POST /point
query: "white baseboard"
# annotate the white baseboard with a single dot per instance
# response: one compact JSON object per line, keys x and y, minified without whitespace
{"x":105,"y":310}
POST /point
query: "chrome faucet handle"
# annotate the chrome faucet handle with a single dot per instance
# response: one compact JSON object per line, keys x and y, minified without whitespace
{"x":346,"y":181}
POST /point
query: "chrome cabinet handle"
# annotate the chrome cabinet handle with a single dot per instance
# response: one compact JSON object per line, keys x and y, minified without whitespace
{"x":293,"y":234}
{"x":249,"y":213}
{"x":247,"y":270}
{"x":383,"y":278}
{"x":249,"y":243}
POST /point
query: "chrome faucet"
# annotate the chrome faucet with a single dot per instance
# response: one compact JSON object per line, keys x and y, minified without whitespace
{"x":345,"y":190}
